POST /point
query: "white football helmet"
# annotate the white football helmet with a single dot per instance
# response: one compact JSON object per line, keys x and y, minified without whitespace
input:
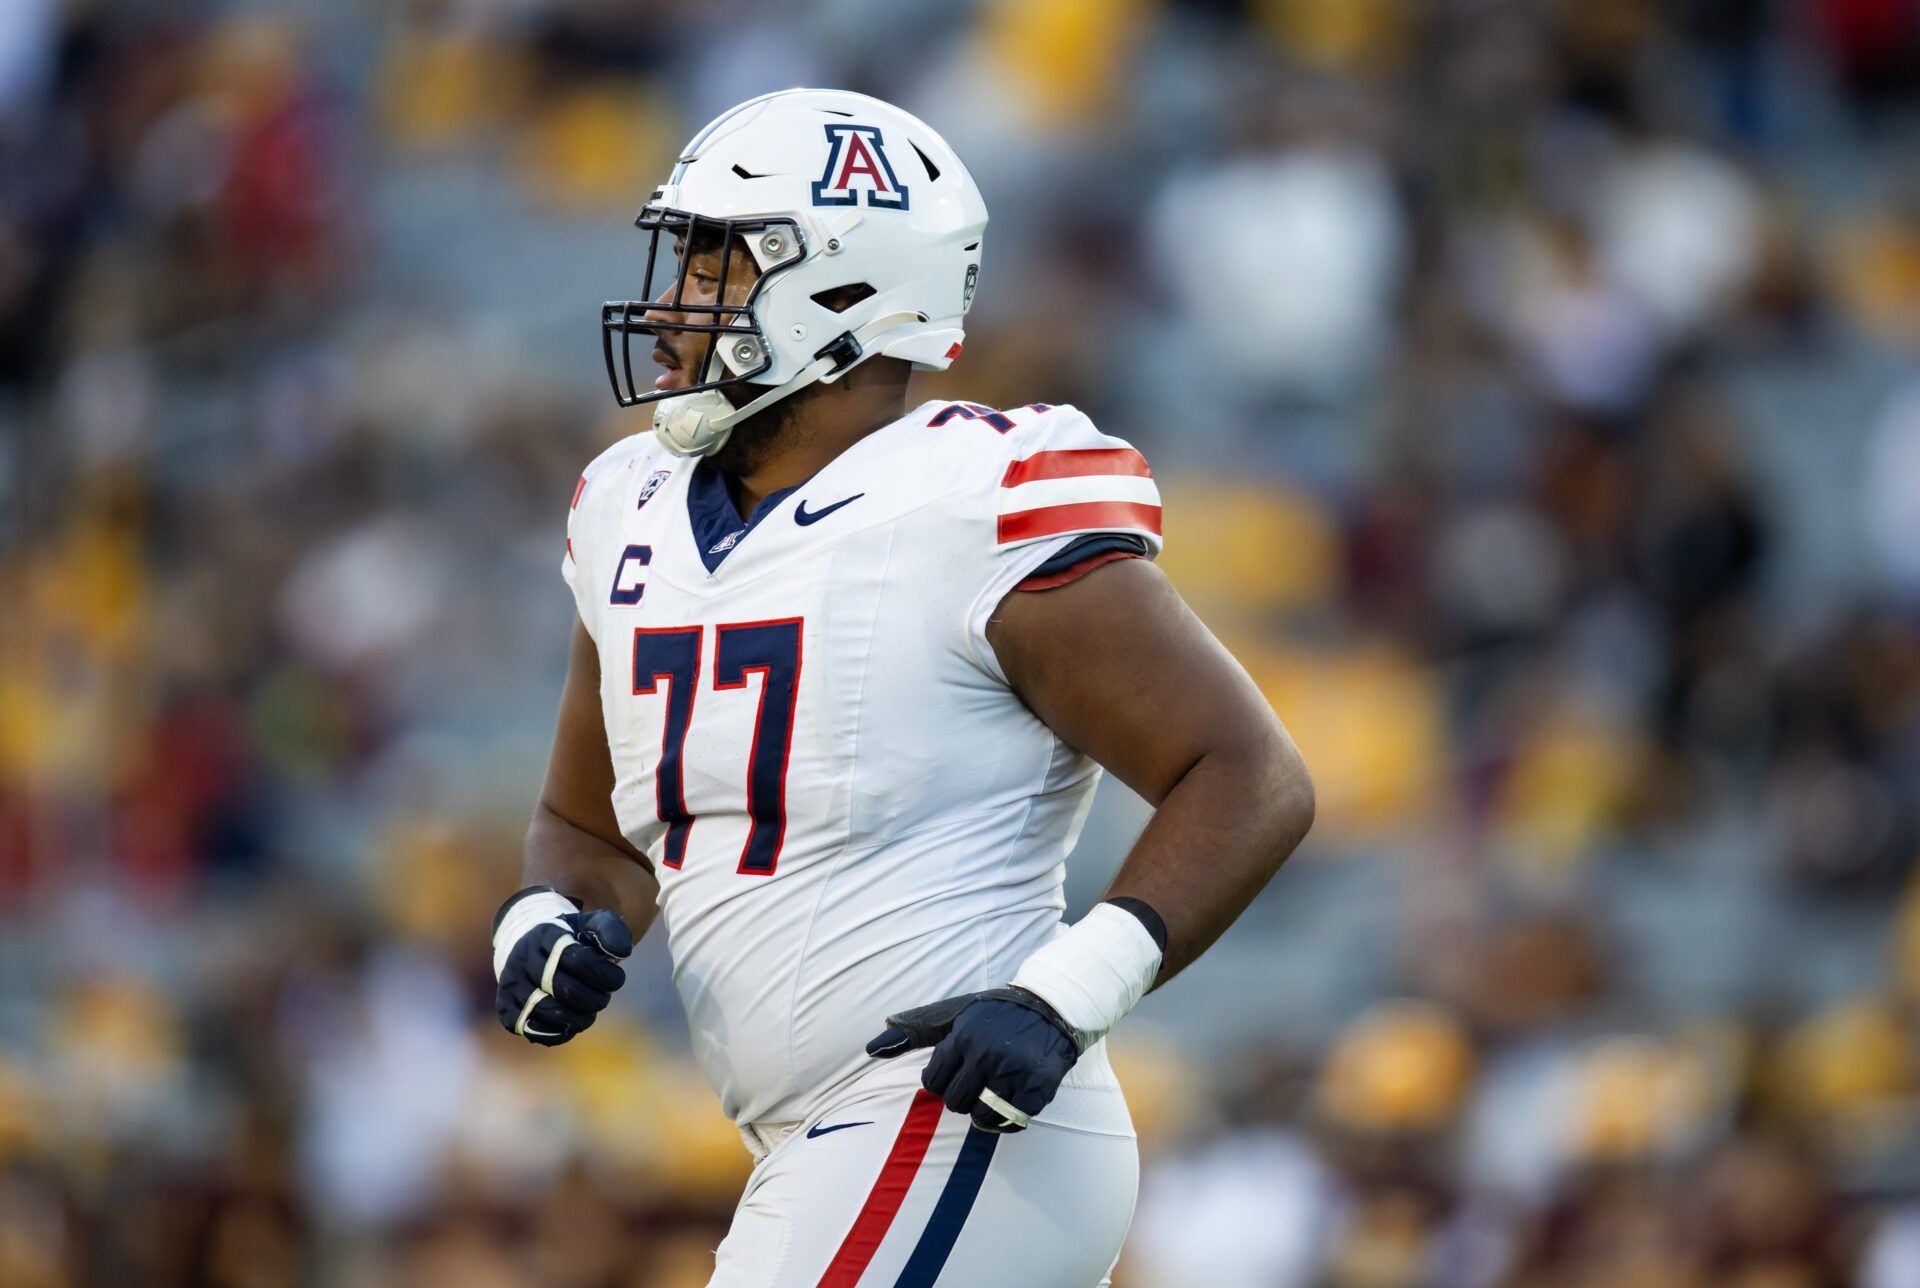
{"x":828,"y":190}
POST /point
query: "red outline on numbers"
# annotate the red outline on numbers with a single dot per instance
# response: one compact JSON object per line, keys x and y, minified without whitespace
{"x":759,"y":714}
{"x":699,"y":634}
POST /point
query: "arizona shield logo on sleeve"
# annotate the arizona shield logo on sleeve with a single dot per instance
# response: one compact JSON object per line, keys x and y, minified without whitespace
{"x":857,"y":166}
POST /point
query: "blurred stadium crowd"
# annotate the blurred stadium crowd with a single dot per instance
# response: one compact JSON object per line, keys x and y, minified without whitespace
{"x":1536,"y":391}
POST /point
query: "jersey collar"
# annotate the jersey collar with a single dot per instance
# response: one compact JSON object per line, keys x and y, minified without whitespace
{"x":717,"y":526}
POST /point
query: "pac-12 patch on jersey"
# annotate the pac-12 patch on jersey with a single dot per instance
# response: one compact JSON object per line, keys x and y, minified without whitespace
{"x":652,"y":485}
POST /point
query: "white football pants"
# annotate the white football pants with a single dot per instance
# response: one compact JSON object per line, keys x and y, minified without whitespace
{"x":883,"y":1188}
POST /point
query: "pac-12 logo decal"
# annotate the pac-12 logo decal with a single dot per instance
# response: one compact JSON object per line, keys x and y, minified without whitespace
{"x":857,"y":166}
{"x":652,"y":485}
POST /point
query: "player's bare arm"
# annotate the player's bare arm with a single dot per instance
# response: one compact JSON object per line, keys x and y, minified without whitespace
{"x":1193,"y":736}
{"x":1232,"y":796}
{"x":586,"y":892}
{"x":574,"y":842}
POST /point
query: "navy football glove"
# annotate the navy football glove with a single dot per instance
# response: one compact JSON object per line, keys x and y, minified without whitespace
{"x":998,"y":1056}
{"x":557,"y":966}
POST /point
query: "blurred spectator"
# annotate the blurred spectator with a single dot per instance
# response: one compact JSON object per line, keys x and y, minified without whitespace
{"x":1893,"y":493}
{"x":1285,"y":264}
{"x":1532,"y":392}
{"x":1679,"y":229}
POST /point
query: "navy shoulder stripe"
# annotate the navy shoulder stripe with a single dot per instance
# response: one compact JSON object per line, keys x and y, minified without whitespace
{"x":1094,"y":543}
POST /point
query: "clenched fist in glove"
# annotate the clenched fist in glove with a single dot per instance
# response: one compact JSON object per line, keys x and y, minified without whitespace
{"x":557,"y":966}
{"x":998,"y":1056}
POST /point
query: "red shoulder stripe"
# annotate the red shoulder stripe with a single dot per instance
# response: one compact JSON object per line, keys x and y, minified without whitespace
{"x":578,"y":488}
{"x":1023,"y":525}
{"x":1076,"y":462}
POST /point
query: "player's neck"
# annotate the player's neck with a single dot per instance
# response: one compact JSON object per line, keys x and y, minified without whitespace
{"x":811,"y":435}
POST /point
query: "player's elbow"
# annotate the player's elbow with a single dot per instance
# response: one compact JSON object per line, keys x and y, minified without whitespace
{"x":1296,"y":796}
{"x":1284,"y":792}
{"x":1271,"y":789}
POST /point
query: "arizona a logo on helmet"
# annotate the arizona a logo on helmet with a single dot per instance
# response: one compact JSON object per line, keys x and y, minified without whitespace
{"x":857,"y":167}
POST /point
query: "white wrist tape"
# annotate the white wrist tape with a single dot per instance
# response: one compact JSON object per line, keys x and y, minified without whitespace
{"x":1095,"y":972}
{"x":524,"y":916}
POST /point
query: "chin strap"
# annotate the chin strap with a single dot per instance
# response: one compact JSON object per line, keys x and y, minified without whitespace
{"x":698,"y":424}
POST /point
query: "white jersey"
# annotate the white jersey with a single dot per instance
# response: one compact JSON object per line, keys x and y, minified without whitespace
{"x":848,"y":809}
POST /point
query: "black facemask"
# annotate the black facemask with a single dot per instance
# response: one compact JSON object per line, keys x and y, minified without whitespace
{"x":720,"y":322}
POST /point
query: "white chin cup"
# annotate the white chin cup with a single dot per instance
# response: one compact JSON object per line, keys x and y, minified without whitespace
{"x":697,"y":424}
{"x":693,"y":424}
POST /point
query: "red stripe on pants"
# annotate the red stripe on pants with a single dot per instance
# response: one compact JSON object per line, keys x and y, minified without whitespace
{"x":888,"y":1193}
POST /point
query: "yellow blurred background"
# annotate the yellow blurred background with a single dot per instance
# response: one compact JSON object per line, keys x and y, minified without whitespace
{"x":1534,"y":386}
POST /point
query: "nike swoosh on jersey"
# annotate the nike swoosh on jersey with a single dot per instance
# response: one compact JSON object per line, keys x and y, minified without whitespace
{"x":802,"y":517}
{"x":818,"y":1130}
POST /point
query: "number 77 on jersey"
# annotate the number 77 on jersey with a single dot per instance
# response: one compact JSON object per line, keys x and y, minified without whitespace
{"x":673,"y":654}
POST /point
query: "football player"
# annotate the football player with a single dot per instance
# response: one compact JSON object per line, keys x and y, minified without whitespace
{"x":843,"y":678}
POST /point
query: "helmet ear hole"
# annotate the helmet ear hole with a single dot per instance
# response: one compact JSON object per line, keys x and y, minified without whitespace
{"x":838,"y":299}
